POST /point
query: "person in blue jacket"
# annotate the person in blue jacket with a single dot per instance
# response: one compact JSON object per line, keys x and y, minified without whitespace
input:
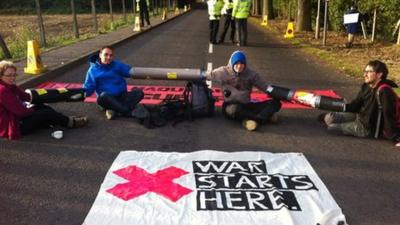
{"x":106,"y":77}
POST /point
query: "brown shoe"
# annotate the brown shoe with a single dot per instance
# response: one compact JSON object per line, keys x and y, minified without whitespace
{"x":250,"y":125}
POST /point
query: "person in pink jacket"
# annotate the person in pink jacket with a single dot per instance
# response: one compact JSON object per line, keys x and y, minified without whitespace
{"x":16,"y":119}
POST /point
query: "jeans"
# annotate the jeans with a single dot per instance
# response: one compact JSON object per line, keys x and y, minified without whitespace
{"x":258,"y":111}
{"x":346,"y":124}
{"x":241,"y":31}
{"x":43,"y":117}
{"x":123,"y":103}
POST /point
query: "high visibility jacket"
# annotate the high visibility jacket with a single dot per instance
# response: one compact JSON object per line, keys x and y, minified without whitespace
{"x":227,"y":9}
{"x":214,"y":9}
{"x":241,"y":9}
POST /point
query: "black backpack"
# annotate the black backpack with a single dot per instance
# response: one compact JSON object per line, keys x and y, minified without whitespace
{"x":199,"y":99}
{"x":197,"y":102}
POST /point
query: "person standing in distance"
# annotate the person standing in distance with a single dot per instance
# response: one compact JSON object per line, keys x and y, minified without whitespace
{"x":240,"y":13}
{"x":214,"y":14}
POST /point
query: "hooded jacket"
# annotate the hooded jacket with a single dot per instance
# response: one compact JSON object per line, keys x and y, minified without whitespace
{"x":366,"y":107}
{"x":12,"y":110}
{"x":106,"y":78}
{"x":240,"y":85}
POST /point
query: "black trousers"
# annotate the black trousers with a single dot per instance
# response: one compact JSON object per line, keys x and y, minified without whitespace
{"x":144,"y":15}
{"x":43,"y":117}
{"x":258,"y":111}
{"x":214,"y":26}
{"x":228,"y":22}
{"x":241,"y":31}
{"x":123,"y":103}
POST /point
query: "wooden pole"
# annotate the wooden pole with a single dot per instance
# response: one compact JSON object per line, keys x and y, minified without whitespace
{"x":95,"y":26}
{"x":40,"y":24}
{"x":124,"y":10}
{"x":325,"y":22}
{"x":74,"y":20}
{"x":289,"y":11}
{"x":373,"y":27}
{"x":317,"y":20}
{"x":3,"y":46}
{"x":398,"y":37}
{"x":363,"y":29}
{"x":111,"y":10}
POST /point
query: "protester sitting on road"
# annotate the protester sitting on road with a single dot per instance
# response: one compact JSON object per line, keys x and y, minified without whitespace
{"x":16,"y":119}
{"x":107,"y":77}
{"x":237,"y":81}
{"x":361,"y":116}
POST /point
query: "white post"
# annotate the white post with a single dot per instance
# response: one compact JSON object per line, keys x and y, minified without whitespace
{"x":373,"y":27}
{"x":317,"y":20}
{"x":398,"y":38}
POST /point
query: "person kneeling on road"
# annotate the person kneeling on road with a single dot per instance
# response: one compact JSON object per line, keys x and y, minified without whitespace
{"x":107,"y":77}
{"x":237,"y":81}
{"x":16,"y":119}
{"x":360,"y":118}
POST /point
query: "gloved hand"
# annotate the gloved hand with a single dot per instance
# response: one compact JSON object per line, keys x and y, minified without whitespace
{"x":227,"y":93}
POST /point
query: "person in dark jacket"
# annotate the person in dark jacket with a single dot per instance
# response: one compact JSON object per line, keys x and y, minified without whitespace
{"x":16,"y":119}
{"x":351,"y":28}
{"x":106,"y":77}
{"x":237,"y":81}
{"x":228,"y":22}
{"x":144,"y":12}
{"x":361,"y":116}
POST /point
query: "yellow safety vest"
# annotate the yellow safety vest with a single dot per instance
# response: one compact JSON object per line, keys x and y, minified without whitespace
{"x":241,"y":9}
{"x":214,"y":9}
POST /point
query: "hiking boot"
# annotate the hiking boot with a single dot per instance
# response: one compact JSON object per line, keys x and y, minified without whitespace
{"x":140,"y":112}
{"x":274,"y":118}
{"x":110,"y":114}
{"x":250,"y":125}
{"x":77,"y":121}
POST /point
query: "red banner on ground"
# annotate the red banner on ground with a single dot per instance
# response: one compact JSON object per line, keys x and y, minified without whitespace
{"x":156,"y":94}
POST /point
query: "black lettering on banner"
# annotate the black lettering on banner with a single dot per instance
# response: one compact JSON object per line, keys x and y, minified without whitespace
{"x":246,"y":185}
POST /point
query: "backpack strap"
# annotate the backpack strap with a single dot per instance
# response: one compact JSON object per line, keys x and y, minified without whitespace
{"x":380,"y":109}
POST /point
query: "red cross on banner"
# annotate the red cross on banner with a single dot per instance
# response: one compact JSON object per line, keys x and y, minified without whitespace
{"x":141,"y":182}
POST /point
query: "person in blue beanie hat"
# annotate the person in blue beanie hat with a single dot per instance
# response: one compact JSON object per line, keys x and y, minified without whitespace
{"x":237,"y":81}
{"x":106,"y":77}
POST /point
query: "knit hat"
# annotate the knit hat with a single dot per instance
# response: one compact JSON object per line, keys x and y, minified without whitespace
{"x":238,"y":56}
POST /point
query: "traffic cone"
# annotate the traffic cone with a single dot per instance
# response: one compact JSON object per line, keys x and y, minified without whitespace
{"x":176,"y":11}
{"x":185,"y":8}
{"x":34,"y":61}
{"x":164,"y":15}
{"x":264,"y":21}
{"x":137,"y":24}
{"x":290,"y":30}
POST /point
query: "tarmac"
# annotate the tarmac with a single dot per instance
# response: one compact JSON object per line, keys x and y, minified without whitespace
{"x":61,"y":59}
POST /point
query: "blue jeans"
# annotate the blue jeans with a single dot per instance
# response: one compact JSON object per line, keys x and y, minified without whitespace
{"x":123,"y":103}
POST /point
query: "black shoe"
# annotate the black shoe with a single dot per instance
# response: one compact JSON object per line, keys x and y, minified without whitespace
{"x":140,"y":112}
{"x":321,"y":117}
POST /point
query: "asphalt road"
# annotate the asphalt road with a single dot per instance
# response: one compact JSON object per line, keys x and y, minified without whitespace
{"x":46,"y":181}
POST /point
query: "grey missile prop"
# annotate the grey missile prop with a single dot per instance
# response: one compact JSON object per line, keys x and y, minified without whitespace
{"x":168,"y":73}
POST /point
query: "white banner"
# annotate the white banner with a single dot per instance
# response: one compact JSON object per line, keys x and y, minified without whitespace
{"x":213,"y":188}
{"x":351,"y":18}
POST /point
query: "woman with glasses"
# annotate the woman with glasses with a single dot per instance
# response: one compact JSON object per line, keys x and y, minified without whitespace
{"x":16,"y":119}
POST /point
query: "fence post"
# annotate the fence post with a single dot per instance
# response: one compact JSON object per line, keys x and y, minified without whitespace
{"x":317,"y":20}
{"x":111,"y":11}
{"x":124,"y":10}
{"x":96,"y":28}
{"x":398,"y":37}
{"x":3,"y":46}
{"x":373,"y":26}
{"x":74,"y":19}
{"x":40,"y":24}
{"x":325,"y":22}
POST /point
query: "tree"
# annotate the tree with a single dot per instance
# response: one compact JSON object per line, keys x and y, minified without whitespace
{"x":304,"y":15}
{"x":268,"y":9}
